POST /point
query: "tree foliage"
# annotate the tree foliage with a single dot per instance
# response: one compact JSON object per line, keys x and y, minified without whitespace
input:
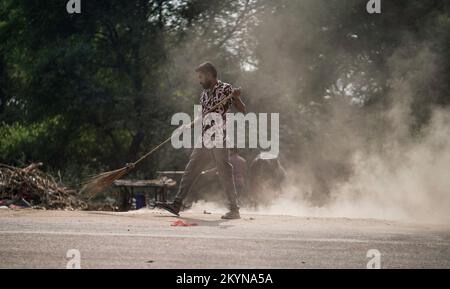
{"x":91,"y":91}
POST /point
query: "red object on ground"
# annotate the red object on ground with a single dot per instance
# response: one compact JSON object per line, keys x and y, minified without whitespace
{"x":181,"y":223}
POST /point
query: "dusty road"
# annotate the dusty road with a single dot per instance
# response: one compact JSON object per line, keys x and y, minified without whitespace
{"x":146,"y":239}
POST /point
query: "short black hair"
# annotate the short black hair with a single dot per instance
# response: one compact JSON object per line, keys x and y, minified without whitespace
{"x":207,"y":67}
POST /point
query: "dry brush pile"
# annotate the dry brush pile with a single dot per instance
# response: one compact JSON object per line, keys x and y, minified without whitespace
{"x":33,"y":188}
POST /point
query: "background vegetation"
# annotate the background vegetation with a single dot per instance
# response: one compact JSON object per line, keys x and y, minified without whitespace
{"x":89,"y":92}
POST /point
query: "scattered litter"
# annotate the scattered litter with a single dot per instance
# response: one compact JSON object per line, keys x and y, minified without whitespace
{"x":30,"y":187}
{"x":25,"y":203}
{"x":206,"y":212}
{"x":181,"y":223}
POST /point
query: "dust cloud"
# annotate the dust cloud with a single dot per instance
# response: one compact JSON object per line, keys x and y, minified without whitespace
{"x":357,"y":139}
{"x":394,"y":173}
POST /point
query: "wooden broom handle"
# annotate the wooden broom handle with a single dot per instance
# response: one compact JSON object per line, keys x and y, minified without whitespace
{"x":228,"y":97}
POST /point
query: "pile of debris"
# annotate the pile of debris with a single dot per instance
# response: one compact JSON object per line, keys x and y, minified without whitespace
{"x":30,"y":187}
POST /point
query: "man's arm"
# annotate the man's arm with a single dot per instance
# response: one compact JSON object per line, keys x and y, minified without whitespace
{"x":238,"y":103}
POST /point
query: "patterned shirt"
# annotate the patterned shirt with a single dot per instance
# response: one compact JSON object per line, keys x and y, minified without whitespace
{"x":212,"y":96}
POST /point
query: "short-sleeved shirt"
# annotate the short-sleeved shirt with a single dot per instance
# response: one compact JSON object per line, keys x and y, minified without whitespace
{"x":212,"y":96}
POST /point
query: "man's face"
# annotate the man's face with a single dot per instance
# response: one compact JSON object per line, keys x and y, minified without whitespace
{"x":206,"y":80}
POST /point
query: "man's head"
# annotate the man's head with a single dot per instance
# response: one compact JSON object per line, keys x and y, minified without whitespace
{"x":207,"y":74}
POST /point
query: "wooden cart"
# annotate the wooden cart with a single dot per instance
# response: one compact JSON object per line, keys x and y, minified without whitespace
{"x":157,"y":187}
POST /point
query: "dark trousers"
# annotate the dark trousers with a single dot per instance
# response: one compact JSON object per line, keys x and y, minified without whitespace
{"x":201,"y":157}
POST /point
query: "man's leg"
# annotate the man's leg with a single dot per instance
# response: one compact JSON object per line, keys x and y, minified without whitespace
{"x":221,"y":157}
{"x":198,"y":160}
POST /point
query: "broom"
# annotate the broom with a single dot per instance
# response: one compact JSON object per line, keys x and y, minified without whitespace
{"x":101,"y":181}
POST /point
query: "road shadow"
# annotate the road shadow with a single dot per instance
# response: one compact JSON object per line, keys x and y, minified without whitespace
{"x":207,"y":223}
{"x":201,"y":222}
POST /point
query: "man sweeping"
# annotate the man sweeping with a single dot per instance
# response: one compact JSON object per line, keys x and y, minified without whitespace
{"x":214,"y":92}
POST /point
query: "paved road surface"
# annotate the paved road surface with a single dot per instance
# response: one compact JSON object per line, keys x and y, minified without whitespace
{"x":146,"y":239}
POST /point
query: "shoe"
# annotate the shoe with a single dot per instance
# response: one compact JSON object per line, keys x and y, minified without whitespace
{"x":173,"y":208}
{"x":232,"y":214}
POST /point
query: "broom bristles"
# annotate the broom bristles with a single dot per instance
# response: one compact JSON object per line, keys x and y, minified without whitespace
{"x":101,"y":181}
